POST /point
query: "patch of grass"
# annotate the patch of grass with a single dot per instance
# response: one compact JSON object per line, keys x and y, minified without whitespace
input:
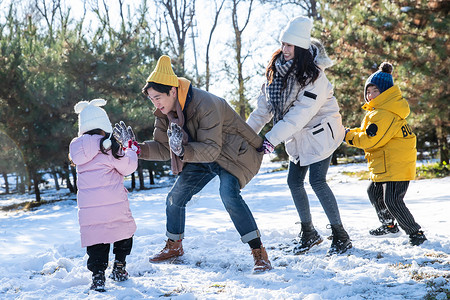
{"x":437,"y":290}
{"x":361,"y":175}
{"x":436,"y":170}
{"x":431,"y":171}
{"x":284,"y":167}
{"x":29,"y":205}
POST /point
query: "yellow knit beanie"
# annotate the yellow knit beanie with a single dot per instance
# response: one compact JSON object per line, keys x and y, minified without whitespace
{"x":163,"y":73}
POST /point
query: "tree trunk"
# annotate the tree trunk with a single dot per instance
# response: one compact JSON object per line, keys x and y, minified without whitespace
{"x":152,"y":178}
{"x":334,"y":161}
{"x":21,"y":184}
{"x":66,"y":175}
{"x":133,"y":181}
{"x":55,"y":178}
{"x":36,"y":180}
{"x":242,"y":101}
{"x":141,"y":178}
{"x":73,"y":170}
{"x":5,"y":178}
{"x":442,"y":143}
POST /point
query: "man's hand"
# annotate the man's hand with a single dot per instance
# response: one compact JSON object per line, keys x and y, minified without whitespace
{"x":175,"y":134}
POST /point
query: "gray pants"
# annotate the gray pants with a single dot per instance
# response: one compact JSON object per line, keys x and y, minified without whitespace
{"x":387,"y":198}
{"x":317,"y":179}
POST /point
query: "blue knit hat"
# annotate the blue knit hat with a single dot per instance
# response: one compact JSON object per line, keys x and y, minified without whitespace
{"x":382,"y":79}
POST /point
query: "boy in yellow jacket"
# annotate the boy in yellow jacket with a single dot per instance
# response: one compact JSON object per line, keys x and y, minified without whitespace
{"x":390,"y":149}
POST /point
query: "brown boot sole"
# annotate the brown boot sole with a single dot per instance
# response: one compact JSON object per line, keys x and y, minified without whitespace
{"x":171,"y":259}
{"x":262,"y":269}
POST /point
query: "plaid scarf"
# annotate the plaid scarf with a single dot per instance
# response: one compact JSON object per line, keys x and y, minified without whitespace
{"x":275,"y":94}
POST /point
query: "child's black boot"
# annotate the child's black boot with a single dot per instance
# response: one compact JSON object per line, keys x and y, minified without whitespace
{"x":118,"y":272}
{"x":417,"y":238}
{"x":98,"y":281}
{"x":385,"y":230}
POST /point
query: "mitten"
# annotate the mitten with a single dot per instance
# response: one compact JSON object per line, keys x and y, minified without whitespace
{"x":267,"y":147}
{"x":175,"y":134}
{"x":133,"y":145}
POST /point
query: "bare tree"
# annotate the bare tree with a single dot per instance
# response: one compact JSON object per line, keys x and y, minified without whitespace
{"x":309,"y":6}
{"x":194,"y":35}
{"x":64,"y":19}
{"x":48,"y":13}
{"x":216,"y":18}
{"x":181,"y":16}
{"x":242,"y":102}
{"x":104,"y":19}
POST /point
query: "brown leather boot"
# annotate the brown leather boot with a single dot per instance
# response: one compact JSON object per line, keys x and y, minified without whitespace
{"x":261,"y":259}
{"x":172,"y":249}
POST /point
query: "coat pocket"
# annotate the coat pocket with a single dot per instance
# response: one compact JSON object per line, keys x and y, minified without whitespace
{"x":377,"y":162}
{"x":321,"y":138}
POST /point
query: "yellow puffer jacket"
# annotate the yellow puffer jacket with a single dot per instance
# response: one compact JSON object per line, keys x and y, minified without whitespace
{"x":387,"y":140}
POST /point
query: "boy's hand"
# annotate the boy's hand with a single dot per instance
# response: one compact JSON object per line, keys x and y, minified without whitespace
{"x":346,"y":131}
{"x":175,"y":134}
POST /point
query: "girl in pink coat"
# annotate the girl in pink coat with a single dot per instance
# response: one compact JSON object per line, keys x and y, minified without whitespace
{"x":103,"y":208}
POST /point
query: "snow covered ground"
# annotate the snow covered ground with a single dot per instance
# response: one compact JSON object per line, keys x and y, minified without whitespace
{"x":41,"y":256}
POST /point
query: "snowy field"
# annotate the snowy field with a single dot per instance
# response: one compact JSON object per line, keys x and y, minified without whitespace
{"x":41,"y":256}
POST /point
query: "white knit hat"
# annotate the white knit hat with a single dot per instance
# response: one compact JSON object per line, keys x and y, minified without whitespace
{"x":298,"y":32}
{"x":92,"y":116}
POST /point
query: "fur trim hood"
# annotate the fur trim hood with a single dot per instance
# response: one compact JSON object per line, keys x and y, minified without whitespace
{"x":320,"y":54}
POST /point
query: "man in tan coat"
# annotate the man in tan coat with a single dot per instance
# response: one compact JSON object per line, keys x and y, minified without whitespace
{"x":204,"y":137}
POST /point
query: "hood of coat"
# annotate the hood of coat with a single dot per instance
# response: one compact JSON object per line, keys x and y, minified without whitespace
{"x":84,"y":148}
{"x":183,"y":89}
{"x":390,"y":100}
{"x":321,"y":59}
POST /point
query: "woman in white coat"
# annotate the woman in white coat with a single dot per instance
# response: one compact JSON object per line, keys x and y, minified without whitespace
{"x":299,"y":98}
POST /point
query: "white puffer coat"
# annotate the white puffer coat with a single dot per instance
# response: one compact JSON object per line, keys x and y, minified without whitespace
{"x":311,"y":126}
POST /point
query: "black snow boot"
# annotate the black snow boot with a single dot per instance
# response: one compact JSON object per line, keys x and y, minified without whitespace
{"x":308,"y":238}
{"x":118,"y":272}
{"x":98,"y":281}
{"x":341,"y":241}
{"x":384,"y":230}
{"x":417,"y":238}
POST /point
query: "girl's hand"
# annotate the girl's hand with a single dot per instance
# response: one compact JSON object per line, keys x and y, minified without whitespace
{"x":267,"y":147}
{"x":123,"y":134}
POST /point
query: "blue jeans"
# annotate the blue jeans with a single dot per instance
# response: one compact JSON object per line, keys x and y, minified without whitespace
{"x":191,"y":181}
{"x":317,"y":179}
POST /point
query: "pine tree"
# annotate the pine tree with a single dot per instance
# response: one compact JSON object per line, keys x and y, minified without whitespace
{"x":413,"y":36}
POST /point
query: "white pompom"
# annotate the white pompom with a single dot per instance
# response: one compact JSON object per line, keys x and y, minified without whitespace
{"x":107,"y":144}
{"x":80,"y":106}
{"x":98,"y":102}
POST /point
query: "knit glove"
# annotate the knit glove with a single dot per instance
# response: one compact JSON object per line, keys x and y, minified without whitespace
{"x":123,"y":134}
{"x":175,"y":134}
{"x":267,"y":147}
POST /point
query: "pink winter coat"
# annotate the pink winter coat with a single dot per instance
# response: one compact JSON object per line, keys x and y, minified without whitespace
{"x":103,"y":209}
